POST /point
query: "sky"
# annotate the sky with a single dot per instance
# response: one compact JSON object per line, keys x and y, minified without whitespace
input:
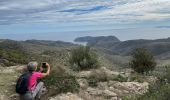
{"x":67,"y":19}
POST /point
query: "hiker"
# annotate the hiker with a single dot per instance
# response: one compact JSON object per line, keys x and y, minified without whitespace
{"x":28,"y":86}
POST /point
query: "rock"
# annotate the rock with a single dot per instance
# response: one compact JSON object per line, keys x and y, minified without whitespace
{"x":112,"y":83}
{"x":84,"y":74}
{"x":68,"y":96}
{"x":7,"y":70}
{"x":114,"y":98}
{"x":108,"y":93}
{"x":132,"y":87}
{"x":98,"y":92}
{"x":3,"y":97}
{"x":14,"y":96}
{"x":117,"y":91}
{"x":109,"y":72}
{"x":95,"y":92}
{"x":21,"y":69}
{"x":102,"y":85}
{"x":13,"y":69}
{"x":83,"y":83}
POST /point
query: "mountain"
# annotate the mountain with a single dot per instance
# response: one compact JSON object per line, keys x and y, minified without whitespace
{"x":113,"y":44}
{"x":101,"y":41}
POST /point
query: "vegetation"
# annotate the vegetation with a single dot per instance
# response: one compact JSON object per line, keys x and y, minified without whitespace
{"x":120,"y":78}
{"x":12,"y":57}
{"x":137,"y":77}
{"x":82,"y":58}
{"x":159,"y":90}
{"x":61,"y":81}
{"x":142,"y":61}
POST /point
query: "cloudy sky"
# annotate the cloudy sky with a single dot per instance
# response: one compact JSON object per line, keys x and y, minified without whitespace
{"x":128,"y":19}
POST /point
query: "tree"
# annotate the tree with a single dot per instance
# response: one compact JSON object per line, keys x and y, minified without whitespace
{"x":142,"y":61}
{"x":82,"y":58}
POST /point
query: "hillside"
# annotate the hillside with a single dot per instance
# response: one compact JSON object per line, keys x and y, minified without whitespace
{"x":157,"y":47}
{"x":113,"y":80}
{"x":53,"y":51}
{"x":20,"y":52}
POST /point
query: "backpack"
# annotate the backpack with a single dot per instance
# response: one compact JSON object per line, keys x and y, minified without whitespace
{"x":22,"y":83}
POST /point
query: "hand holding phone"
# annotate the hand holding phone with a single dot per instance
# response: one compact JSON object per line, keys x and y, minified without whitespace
{"x":44,"y":65}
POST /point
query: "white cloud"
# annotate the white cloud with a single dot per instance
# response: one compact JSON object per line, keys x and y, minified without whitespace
{"x":117,"y":11}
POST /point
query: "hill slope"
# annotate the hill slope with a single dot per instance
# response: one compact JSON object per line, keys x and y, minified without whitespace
{"x":157,"y":47}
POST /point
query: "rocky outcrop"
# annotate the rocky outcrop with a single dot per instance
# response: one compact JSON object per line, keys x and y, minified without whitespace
{"x":131,"y":88}
{"x":109,"y":73}
{"x":118,"y":89}
{"x":111,"y":90}
{"x":107,"y":90}
{"x":13,"y":69}
{"x":68,"y":96}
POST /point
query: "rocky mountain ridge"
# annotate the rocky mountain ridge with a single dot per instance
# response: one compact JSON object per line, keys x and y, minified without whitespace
{"x":157,"y":46}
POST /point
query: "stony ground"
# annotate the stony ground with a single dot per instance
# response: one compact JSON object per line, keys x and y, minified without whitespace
{"x":109,"y":90}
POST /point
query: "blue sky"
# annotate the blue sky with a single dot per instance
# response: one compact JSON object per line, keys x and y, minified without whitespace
{"x":29,"y":19}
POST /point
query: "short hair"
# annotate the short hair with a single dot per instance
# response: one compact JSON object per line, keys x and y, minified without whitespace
{"x":32,"y":66}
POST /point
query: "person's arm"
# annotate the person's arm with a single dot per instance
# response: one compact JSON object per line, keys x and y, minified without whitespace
{"x":41,"y":69}
{"x":48,"y":71}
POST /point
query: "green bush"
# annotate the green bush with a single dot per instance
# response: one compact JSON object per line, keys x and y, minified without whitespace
{"x":82,"y":58}
{"x":120,"y":78}
{"x":61,"y":81}
{"x":163,"y":93}
{"x":12,"y":57}
{"x":137,"y":77}
{"x":142,"y":61}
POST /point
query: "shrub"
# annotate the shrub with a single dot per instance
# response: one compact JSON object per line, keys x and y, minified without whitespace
{"x":163,"y":93}
{"x":61,"y":81}
{"x":137,"y":78}
{"x":120,"y":78}
{"x":82,"y":58}
{"x":12,"y":57}
{"x":142,"y":61}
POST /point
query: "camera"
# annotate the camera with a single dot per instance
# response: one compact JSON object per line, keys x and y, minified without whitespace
{"x":44,"y":65}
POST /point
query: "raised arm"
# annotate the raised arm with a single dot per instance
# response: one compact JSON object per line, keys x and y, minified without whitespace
{"x":48,"y":71}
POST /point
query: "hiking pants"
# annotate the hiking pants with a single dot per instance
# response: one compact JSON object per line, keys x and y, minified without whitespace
{"x":36,"y":93}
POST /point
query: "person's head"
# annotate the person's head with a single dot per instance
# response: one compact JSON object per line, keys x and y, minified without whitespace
{"x":32,"y":66}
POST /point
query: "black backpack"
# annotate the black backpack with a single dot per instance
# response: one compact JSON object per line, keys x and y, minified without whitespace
{"x":22,"y":83}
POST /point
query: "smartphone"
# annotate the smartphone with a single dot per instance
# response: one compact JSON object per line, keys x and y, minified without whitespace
{"x":44,"y":64}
